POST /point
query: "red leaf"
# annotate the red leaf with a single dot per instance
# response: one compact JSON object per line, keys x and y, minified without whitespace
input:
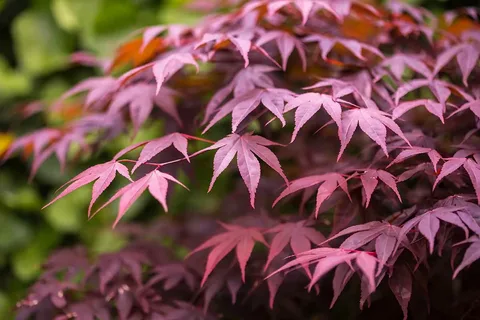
{"x":401,"y":285}
{"x":384,"y":246}
{"x":435,"y":108}
{"x":308,"y":104}
{"x":413,"y":151}
{"x":367,"y":264}
{"x":372,"y":122}
{"x":140,"y":98}
{"x":247,"y":79}
{"x":166,"y":67}
{"x":156,"y":182}
{"x":329,"y":183}
{"x":398,"y":62}
{"x":154,"y":147}
{"x":246,"y":147}
{"x":285,"y":43}
{"x":471,"y":255}
{"x":298,"y":234}
{"x":326,"y":44}
{"x":273,"y":99}
{"x":243,"y":239}
{"x":370,"y":180}
{"x":449,"y":167}
{"x":343,"y":273}
{"x":103,"y":174}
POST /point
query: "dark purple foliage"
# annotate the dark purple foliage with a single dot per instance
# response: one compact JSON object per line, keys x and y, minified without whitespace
{"x":399,"y":197}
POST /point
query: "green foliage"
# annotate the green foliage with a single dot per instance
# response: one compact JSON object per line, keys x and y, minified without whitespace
{"x":45,"y":34}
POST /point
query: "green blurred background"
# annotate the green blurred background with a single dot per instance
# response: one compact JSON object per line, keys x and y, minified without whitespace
{"x":37,"y":38}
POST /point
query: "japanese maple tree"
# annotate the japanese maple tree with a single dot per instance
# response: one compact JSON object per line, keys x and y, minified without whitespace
{"x":355,"y":131}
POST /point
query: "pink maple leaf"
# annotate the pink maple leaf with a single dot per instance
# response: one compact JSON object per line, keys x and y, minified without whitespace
{"x":247,"y":79}
{"x":273,"y":99}
{"x":141,"y":98}
{"x":245,"y":147}
{"x":372,"y":122}
{"x":370,"y":179}
{"x":236,"y":237}
{"x":285,"y":43}
{"x":308,"y":104}
{"x":329,"y":182}
{"x":298,"y":234}
{"x":326,"y":45}
{"x":156,"y":182}
{"x":103,"y":175}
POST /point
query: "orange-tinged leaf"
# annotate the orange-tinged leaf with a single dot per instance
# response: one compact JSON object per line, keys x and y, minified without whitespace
{"x":132,"y":53}
{"x":361,"y":30}
{"x":461,"y":25}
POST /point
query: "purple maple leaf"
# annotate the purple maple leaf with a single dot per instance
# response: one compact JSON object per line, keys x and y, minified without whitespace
{"x":328,"y":184}
{"x":245,"y":147}
{"x":236,"y":237}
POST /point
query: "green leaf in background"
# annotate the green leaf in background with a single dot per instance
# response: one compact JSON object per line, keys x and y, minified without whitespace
{"x":4,"y":301}
{"x":25,"y":198}
{"x":40,"y":57}
{"x":27,"y":263}
{"x":74,"y":15}
{"x":171,"y":12}
{"x":115,"y":15}
{"x":107,"y":241}
{"x":68,"y":214}
{"x":14,"y":233}
{"x":12,"y":83}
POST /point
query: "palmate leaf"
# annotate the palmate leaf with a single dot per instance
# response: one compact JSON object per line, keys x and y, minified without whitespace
{"x":297,"y":234}
{"x":329,"y":182}
{"x":157,"y":184}
{"x":456,"y":162}
{"x":246,"y":80}
{"x":166,"y":67}
{"x":236,"y":237}
{"x":327,"y":259}
{"x":151,"y":148}
{"x":428,"y":223}
{"x":173,"y":35}
{"x":47,"y":142}
{"x":472,"y":254}
{"x":103,"y":175}
{"x":99,"y":89}
{"x":141,"y":98}
{"x":285,"y":43}
{"x":440,"y":89}
{"x":273,"y":99}
{"x":245,"y":147}
{"x":435,"y":108}
{"x":385,"y":236}
{"x":398,"y":63}
{"x":305,"y":7}
{"x":308,"y":104}
{"x":172,"y":275}
{"x":370,"y":179}
{"x":242,"y":41}
{"x":373,"y":122}
{"x":467,"y":58}
{"x":326,"y":45}
{"x":433,"y":155}
{"x":34,"y":142}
